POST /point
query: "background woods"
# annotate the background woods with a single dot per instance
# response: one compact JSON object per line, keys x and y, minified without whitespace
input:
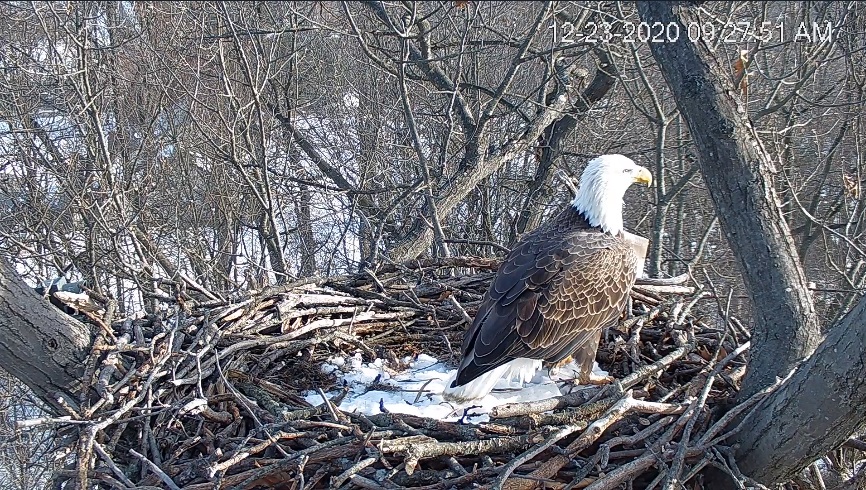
{"x":226,"y":145}
{"x":163,"y":149}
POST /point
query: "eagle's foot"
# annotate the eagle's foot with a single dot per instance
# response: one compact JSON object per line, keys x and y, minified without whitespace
{"x":564,"y":375}
{"x":596,"y":379}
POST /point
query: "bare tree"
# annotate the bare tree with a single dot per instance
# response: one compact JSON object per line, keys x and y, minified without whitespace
{"x":739,"y":170}
{"x":179,"y":153}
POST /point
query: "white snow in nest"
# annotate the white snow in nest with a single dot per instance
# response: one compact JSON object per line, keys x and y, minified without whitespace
{"x":417,"y":390}
{"x":351,"y":101}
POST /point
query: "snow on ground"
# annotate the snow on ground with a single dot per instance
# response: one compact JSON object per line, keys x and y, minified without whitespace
{"x":418,"y":389}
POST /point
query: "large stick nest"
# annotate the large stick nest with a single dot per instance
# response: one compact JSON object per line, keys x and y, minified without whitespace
{"x":208,"y":394}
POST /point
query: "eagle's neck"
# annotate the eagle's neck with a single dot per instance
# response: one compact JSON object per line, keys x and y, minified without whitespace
{"x":599,"y":209}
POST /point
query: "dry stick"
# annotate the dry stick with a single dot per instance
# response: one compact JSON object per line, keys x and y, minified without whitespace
{"x":855,"y":443}
{"x":356,"y":341}
{"x":625,"y":454}
{"x":648,"y":293}
{"x":466,"y":317}
{"x":566,"y":180}
{"x":365,"y":483}
{"x":90,"y":364}
{"x":118,"y":484}
{"x":631,"y":440}
{"x":681,"y":317}
{"x":145,"y":446}
{"x":631,"y":470}
{"x":706,"y":441}
{"x":672,"y":478}
{"x":156,"y":469}
{"x":456,"y":466}
{"x":733,"y":355}
{"x":591,"y":434}
{"x":509,"y":468}
{"x":653,"y":369}
{"x":421,"y":390}
{"x":242,"y":400}
{"x":314,"y":480}
{"x":372,"y":275}
{"x":644,"y":298}
{"x":451,"y":429}
{"x":579,"y":398}
{"x":88,"y":437}
{"x":329,"y":406}
{"x":581,"y":474}
{"x":661,"y":476}
{"x":408,"y":429}
{"x":62,"y":420}
{"x":663,"y":290}
{"x":207,"y":337}
{"x":314,"y":325}
{"x":110,"y":367}
{"x":642,"y":319}
{"x":816,"y":474}
{"x":130,"y":373}
{"x":241,"y":455}
{"x":662,"y":281}
{"x":696,"y":468}
{"x":402,"y":444}
{"x":460,"y":481}
{"x":578,"y":416}
{"x":729,"y":464}
{"x":634,"y":343}
{"x":338,"y":481}
{"x":113,"y":467}
{"x":417,"y":451}
{"x":243,"y":480}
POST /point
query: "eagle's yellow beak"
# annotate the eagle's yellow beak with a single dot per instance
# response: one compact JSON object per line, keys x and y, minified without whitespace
{"x":643,"y":177}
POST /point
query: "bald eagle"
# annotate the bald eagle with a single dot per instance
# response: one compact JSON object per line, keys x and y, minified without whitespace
{"x":557,"y":289}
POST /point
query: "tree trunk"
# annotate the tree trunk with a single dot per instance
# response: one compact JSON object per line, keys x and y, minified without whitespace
{"x":39,"y":345}
{"x":305,"y":232}
{"x":739,"y":175}
{"x":814,"y":411}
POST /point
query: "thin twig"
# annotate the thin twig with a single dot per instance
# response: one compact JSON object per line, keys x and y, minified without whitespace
{"x":156,"y":469}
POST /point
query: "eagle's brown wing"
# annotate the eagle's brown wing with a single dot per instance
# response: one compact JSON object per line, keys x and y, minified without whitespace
{"x":551,"y":296}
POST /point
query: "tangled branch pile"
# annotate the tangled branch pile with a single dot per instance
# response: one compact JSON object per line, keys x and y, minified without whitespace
{"x":208,"y":395}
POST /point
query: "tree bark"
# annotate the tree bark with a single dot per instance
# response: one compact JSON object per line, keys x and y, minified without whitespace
{"x":305,"y":232}
{"x":739,"y":175}
{"x":39,"y":345}
{"x":812,"y":412}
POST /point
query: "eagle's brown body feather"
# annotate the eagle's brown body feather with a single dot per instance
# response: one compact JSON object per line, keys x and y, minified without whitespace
{"x":555,"y":292}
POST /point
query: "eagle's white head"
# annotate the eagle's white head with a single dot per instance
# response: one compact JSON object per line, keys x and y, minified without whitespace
{"x":602,"y":187}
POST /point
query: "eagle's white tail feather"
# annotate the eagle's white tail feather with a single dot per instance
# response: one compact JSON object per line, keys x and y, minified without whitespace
{"x":521,"y":370}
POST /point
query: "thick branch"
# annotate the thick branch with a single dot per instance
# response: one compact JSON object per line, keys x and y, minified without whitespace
{"x":812,"y":412}
{"x":39,"y":345}
{"x":467,"y":180}
{"x":556,"y":134}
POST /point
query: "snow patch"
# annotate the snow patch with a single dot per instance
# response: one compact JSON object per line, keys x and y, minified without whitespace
{"x":351,"y":101}
{"x":376,"y":387}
